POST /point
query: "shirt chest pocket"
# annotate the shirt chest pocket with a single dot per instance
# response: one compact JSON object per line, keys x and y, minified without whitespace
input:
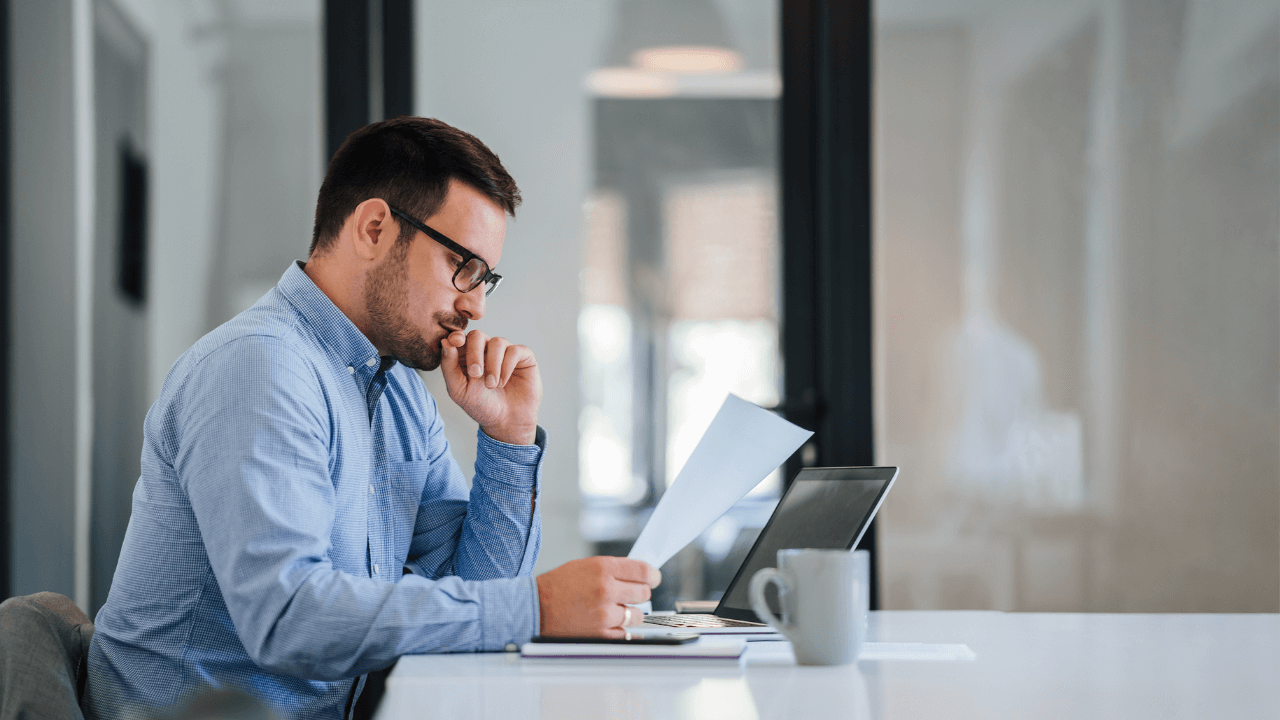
{"x":405,"y":482}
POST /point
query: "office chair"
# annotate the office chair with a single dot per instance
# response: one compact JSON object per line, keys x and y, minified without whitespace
{"x":44,"y":643}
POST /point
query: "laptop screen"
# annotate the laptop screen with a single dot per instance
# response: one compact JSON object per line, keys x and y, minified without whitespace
{"x":823,"y":508}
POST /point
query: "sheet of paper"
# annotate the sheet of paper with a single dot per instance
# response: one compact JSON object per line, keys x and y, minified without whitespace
{"x":741,"y":447}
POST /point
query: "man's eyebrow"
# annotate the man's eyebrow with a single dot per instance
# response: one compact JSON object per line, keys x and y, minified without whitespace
{"x":486,"y":262}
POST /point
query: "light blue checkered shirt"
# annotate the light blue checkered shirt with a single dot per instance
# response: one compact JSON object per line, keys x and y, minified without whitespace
{"x":288,"y":475}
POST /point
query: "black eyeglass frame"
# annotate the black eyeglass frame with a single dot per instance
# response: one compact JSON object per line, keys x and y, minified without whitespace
{"x":489,"y":278}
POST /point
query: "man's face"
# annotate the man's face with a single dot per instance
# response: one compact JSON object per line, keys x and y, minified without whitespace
{"x":409,"y":296}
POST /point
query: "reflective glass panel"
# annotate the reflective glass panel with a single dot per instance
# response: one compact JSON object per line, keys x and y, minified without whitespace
{"x":1077,"y":292}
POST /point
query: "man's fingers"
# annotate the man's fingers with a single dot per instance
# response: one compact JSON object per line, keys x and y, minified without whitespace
{"x":476,"y":342}
{"x":493,"y":359}
{"x":624,"y":617}
{"x":631,"y":593}
{"x":516,"y":356}
{"x":636,"y":571}
{"x":633,"y":618}
{"x":627,"y":617}
{"x":476,"y":356}
{"x":584,"y":597}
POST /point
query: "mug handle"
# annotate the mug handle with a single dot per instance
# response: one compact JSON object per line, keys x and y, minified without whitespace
{"x":763,"y":577}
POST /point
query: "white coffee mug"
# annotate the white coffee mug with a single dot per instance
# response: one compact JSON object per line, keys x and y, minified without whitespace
{"x":821,"y":593}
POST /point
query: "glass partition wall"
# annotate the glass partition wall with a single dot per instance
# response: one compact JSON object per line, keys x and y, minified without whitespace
{"x":680,"y":280}
{"x":680,"y":307}
{"x":1078,"y":286}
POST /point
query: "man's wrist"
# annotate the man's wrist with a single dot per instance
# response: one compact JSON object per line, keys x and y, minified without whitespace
{"x":520,"y":435}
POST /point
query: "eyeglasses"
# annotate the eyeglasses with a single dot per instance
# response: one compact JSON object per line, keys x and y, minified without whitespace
{"x":471,"y":272}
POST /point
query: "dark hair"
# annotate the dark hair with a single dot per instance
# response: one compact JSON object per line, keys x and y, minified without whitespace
{"x":407,"y":161}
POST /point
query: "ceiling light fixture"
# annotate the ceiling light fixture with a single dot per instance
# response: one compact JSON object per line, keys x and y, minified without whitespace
{"x":687,"y":59}
{"x":631,"y":83}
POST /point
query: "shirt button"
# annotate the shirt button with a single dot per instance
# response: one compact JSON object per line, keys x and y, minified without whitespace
{"x":512,"y":647}
{"x":372,"y":491}
{"x":351,"y":370}
{"x":371,"y":361}
{"x":375,"y":568}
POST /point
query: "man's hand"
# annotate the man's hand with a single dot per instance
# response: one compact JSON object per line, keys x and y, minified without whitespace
{"x":495,"y":382}
{"x":586,"y":598}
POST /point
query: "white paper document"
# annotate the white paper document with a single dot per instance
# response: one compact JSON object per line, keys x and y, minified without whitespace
{"x":741,"y":447}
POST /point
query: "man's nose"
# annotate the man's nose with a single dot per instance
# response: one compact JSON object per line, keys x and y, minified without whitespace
{"x":471,"y":304}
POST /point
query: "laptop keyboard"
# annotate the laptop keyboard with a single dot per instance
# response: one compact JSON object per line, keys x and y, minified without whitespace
{"x":697,"y":621}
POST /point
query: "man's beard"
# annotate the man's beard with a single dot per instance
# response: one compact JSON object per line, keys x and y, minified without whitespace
{"x":386,"y":304}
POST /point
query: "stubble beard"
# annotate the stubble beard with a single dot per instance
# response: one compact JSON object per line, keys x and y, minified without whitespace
{"x":387,"y":308}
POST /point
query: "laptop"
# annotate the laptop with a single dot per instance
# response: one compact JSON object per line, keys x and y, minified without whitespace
{"x":824,"y":508}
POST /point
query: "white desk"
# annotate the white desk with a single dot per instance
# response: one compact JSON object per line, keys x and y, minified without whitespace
{"x":1029,"y":666}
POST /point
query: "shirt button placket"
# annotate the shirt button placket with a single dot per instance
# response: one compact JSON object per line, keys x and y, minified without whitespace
{"x":373,"y":493}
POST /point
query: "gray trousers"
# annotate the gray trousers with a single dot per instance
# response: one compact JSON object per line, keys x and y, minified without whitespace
{"x":44,"y":641}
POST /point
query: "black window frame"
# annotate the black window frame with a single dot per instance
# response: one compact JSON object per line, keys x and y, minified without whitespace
{"x":826,"y":188}
{"x":350,"y":70}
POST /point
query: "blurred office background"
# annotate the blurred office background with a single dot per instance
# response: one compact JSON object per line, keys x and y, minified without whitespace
{"x":1075,"y":280}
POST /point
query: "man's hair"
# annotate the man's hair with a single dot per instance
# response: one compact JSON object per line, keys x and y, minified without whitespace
{"x":407,"y":161}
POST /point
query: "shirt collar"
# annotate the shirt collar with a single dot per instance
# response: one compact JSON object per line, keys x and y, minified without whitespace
{"x":329,"y":323}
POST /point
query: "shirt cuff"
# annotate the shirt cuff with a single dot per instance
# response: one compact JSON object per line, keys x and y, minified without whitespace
{"x":510,"y":463}
{"x":509,"y":612}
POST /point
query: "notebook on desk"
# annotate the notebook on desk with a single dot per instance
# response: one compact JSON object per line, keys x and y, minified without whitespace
{"x":824,"y":508}
{"x":701,"y":649}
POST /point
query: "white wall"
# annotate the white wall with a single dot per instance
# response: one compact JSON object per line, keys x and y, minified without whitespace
{"x":187,"y":108}
{"x":190,"y":138}
{"x":189,"y":209}
{"x":43,"y":299}
{"x":185,"y":130}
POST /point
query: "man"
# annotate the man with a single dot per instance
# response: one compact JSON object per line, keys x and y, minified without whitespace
{"x":300,"y":520}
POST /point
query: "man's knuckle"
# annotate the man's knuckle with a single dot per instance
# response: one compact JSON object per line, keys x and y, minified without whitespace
{"x":600,"y":593}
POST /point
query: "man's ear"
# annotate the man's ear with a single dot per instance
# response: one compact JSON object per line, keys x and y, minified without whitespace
{"x":373,"y":229}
